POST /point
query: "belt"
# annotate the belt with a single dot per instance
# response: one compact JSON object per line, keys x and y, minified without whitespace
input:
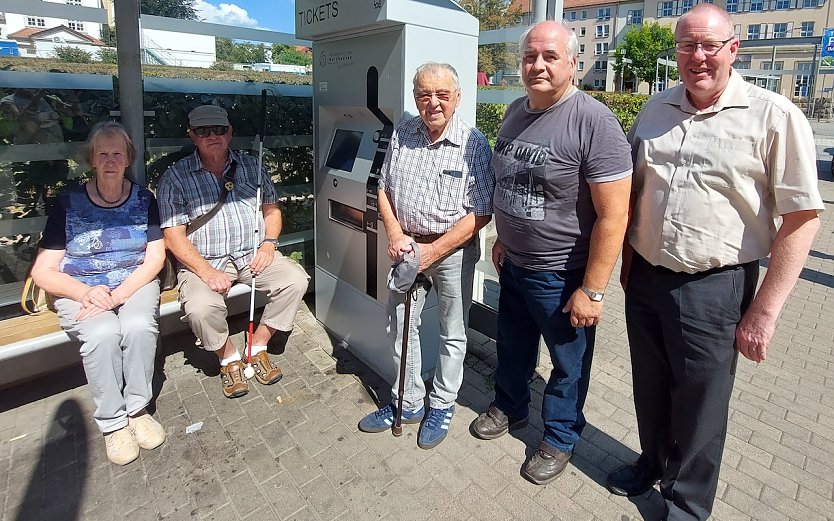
{"x":424,"y":238}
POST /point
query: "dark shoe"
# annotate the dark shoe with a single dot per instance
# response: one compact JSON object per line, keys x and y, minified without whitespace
{"x":494,"y":424}
{"x":547,"y":464}
{"x":383,"y":418}
{"x":265,"y":372}
{"x":234,"y":384}
{"x":632,"y":480}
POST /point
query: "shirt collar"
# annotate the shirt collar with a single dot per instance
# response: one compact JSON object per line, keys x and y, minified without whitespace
{"x":735,"y":95}
{"x":197,"y":163}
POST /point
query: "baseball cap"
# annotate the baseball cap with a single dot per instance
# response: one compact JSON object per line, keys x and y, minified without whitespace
{"x":208,"y":115}
{"x":404,"y":272}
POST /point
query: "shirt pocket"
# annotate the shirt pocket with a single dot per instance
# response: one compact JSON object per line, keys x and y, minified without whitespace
{"x":449,"y":186}
{"x":727,"y":162}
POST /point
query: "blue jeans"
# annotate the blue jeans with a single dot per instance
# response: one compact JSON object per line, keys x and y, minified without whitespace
{"x":452,"y":278}
{"x":531,"y":306}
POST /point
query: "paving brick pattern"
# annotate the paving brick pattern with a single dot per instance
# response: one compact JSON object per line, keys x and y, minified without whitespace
{"x":292,"y":451}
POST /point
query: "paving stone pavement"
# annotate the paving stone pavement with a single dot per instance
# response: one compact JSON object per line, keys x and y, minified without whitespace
{"x":292,"y":451}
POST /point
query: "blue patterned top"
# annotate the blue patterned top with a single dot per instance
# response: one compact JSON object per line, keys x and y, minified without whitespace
{"x":103,"y":245}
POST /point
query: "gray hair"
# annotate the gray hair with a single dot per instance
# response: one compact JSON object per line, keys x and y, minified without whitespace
{"x":108,"y":129}
{"x":717,"y":11}
{"x":436,"y":69}
{"x":572,"y":44}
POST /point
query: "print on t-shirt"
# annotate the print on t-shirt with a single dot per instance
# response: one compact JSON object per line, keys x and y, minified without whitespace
{"x":520,"y":189}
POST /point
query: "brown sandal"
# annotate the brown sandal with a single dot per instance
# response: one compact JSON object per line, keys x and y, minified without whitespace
{"x":265,"y":372}
{"x":234,"y":384}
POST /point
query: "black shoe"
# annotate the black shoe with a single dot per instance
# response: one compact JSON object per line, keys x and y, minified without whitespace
{"x":494,"y":424}
{"x":547,"y":464}
{"x":632,"y":480}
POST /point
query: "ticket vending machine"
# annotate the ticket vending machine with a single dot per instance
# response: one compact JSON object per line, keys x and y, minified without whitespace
{"x":365,"y":53}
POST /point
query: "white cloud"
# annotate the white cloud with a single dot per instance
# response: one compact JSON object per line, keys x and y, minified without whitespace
{"x":227,"y":14}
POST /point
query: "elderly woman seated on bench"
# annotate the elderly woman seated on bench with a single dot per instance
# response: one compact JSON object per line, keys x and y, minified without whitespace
{"x":99,"y":257}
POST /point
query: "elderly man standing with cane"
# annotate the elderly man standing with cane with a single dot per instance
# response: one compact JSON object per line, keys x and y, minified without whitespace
{"x":435,"y":191}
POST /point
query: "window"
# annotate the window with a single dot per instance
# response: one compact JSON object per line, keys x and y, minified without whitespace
{"x":686,"y":5}
{"x":772,"y":83}
{"x":580,"y":66}
{"x":807,"y":29}
{"x":599,"y":84}
{"x":581,"y":48}
{"x":572,"y":16}
{"x":754,"y":32}
{"x":777,"y":66}
{"x":634,"y":17}
{"x":34,"y":21}
{"x":665,"y":9}
{"x":602,"y":31}
{"x":600,"y":48}
{"x":756,"y":6}
{"x":742,"y":62}
{"x":603,"y":13}
{"x":782,"y":4}
{"x":74,"y":2}
{"x":582,"y":31}
{"x":780,"y":30}
{"x":600,"y":66}
{"x":809,"y":3}
{"x":732,"y":6}
{"x":77,"y":26}
{"x":583,"y":15}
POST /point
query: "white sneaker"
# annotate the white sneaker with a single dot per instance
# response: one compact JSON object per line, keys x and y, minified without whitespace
{"x":121,"y":446}
{"x":148,"y":433}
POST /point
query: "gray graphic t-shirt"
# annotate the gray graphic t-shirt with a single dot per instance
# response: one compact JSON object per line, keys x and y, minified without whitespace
{"x":543,"y":162}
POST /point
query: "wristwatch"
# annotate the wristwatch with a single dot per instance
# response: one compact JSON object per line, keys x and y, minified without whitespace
{"x":273,"y":241}
{"x":595,"y":296}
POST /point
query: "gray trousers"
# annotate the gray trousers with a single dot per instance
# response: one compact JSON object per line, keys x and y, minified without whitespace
{"x":118,"y":348}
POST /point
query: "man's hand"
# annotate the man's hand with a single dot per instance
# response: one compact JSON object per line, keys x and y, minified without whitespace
{"x":262,"y":259}
{"x":217,"y":280}
{"x":498,"y":256}
{"x":583,"y":311}
{"x":427,"y":256}
{"x":398,"y":246}
{"x":753,"y":334}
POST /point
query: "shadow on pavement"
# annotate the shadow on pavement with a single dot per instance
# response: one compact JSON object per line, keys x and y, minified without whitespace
{"x":60,"y":475}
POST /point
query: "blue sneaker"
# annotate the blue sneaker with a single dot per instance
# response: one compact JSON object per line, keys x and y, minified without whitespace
{"x":435,"y":428}
{"x":384,"y":418}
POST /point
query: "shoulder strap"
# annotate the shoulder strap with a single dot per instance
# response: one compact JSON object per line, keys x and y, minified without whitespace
{"x":228,"y":179}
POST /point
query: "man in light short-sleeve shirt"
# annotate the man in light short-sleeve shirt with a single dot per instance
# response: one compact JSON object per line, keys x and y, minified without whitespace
{"x":725,"y":174}
{"x":562,"y":182}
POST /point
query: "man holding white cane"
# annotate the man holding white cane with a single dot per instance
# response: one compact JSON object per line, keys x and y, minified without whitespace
{"x":225,"y":251}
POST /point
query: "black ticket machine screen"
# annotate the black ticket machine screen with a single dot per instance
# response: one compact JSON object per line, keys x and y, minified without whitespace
{"x":343,"y":150}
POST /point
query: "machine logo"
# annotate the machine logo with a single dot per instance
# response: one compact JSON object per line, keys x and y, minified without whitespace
{"x":340,"y":59}
{"x":377,"y":4}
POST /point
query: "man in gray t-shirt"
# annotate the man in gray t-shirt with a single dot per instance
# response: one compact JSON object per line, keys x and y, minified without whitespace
{"x":562,"y":181}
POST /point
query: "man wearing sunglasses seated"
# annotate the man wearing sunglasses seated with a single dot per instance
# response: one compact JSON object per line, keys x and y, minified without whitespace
{"x":220,"y":253}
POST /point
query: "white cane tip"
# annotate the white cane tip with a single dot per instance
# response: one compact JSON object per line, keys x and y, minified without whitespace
{"x":249,"y":372}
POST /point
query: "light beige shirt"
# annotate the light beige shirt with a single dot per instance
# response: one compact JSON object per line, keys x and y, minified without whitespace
{"x":712,"y":183}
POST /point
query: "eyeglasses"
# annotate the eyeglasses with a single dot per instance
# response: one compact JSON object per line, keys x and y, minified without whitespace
{"x":217,"y":130}
{"x":425,"y":97}
{"x":710,"y":48}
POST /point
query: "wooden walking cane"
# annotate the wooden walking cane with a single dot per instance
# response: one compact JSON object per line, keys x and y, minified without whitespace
{"x":398,"y":425}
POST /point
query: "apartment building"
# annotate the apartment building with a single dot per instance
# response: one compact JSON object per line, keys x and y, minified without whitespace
{"x":777,"y":40}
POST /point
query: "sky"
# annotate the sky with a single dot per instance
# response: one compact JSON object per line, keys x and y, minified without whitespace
{"x":274,"y":15}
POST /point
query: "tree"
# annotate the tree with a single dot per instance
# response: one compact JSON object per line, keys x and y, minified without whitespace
{"x":72,"y":54}
{"x":183,"y":9}
{"x":494,"y":14}
{"x":224,"y":49}
{"x":228,"y":51}
{"x":290,"y":55}
{"x":643,"y":45}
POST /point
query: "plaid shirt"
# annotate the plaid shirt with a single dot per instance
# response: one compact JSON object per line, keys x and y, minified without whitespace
{"x":432,"y":186}
{"x":188,"y":191}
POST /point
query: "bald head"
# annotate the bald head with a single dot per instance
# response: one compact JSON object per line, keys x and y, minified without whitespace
{"x":718,"y":17}
{"x":560,"y":28}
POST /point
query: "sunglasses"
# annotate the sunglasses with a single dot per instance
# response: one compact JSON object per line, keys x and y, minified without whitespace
{"x":217,"y":130}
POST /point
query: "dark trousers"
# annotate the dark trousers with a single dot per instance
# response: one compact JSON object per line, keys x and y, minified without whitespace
{"x":681,"y":331}
{"x":529,"y":308}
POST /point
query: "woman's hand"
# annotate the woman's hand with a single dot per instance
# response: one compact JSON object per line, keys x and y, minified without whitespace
{"x":96,"y":300}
